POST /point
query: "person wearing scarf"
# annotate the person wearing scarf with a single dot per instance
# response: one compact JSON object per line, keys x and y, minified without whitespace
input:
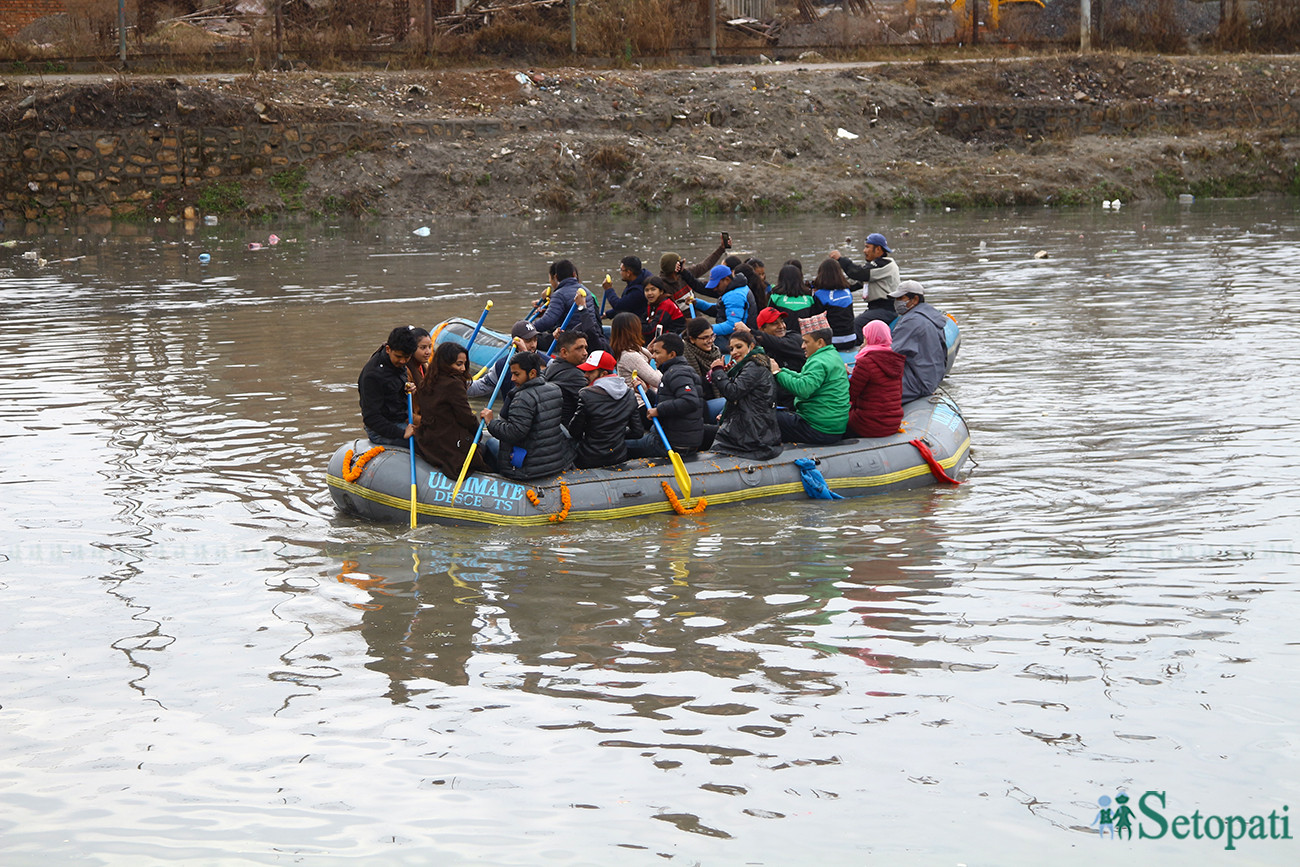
{"x":876,"y":386}
{"x":748,"y":428}
{"x":701,"y":353}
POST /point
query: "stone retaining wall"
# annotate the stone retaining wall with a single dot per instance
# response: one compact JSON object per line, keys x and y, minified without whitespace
{"x":103,"y":173}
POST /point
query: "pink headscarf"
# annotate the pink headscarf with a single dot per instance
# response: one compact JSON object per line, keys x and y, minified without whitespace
{"x":875,"y":337}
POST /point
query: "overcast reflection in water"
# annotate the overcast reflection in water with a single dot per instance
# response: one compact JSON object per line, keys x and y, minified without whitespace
{"x":204,"y":663}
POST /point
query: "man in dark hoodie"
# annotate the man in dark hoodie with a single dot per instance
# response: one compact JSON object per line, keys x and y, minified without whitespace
{"x":570,"y":351}
{"x":528,"y":441}
{"x":606,"y":416}
{"x":564,"y":290}
{"x":918,"y":336}
{"x":382,"y":386}
{"x":679,"y":406}
{"x":633,"y":298}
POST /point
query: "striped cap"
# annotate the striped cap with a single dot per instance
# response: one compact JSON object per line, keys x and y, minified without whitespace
{"x":814,"y":323}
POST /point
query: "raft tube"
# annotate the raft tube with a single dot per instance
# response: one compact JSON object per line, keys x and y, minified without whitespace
{"x":852,"y":468}
{"x":489,"y":343}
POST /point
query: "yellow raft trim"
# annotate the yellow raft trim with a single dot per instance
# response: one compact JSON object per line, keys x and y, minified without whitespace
{"x":403,"y":504}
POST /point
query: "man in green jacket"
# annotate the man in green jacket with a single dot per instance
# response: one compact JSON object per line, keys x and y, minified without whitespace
{"x":821,"y":389}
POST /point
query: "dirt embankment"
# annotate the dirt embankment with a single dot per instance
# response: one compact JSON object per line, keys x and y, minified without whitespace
{"x":751,"y":139}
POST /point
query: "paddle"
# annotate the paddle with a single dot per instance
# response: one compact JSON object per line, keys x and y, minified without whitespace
{"x":679,"y":468}
{"x":568,"y":317}
{"x":608,"y":286}
{"x":482,"y":423}
{"x":476,"y":377}
{"x":473,"y":336}
{"x":541,"y":305}
{"x":410,"y":447}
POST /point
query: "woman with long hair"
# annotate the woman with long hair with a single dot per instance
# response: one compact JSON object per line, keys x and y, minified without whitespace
{"x":627,"y":346}
{"x":447,"y":424}
{"x":792,"y":297}
{"x":749,"y":428}
{"x":831,"y":289}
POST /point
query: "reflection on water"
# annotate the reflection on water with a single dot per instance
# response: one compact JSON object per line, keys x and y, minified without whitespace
{"x":203,"y":659}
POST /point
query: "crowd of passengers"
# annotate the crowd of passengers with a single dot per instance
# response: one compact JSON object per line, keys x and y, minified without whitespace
{"x":721,"y":358}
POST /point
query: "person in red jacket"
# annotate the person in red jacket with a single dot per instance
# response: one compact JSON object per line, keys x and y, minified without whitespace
{"x":662,"y":314}
{"x":876,"y":386}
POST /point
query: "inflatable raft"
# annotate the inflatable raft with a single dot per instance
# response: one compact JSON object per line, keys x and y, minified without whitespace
{"x":489,"y":344}
{"x":376,"y":484}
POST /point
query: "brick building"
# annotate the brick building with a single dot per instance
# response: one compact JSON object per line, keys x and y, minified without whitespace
{"x":17,"y":14}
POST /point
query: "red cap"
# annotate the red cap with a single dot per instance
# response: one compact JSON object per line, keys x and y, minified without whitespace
{"x":599,"y":360}
{"x":767,"y":316}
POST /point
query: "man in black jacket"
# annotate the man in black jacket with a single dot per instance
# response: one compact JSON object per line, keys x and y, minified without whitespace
{"x":606,"y":416}
{"x":633,"y":298}
{"x":571,"y":350}
{"x":529,"y":442}
{"x":382,"y":386}
{"x":679,"y":406}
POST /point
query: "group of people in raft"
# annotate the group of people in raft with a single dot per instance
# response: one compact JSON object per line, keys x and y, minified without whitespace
{"x":576,"y":400}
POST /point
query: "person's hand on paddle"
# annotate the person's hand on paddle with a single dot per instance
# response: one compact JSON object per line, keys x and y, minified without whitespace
{"x":652,"y":412}
{"x":487,"y":415}
{"x":410,"y":432}
{"x":410,"y":387}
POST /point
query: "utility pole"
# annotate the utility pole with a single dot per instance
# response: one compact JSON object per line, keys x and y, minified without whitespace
{"x":573,"y":26}
{"x":121,"y":31}
{"x":974,"y":22}
{"x":1085,"y":26}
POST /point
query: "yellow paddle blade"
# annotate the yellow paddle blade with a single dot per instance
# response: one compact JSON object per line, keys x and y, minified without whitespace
{"x":463,"y":470}
{"x":683,"y":477}
{"x":412,"y":505}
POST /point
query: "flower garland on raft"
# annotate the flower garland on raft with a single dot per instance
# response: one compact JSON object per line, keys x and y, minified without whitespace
{"x":697,"y":509}
{"x":351,"y":471}
{"x":565,"y":502}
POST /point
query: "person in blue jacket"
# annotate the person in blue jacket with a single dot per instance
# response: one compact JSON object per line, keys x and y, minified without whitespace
{"x":918,"y":336}
{"x":564,"y":290}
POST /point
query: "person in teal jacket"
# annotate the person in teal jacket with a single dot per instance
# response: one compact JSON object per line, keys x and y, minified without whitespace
{"x":821,"y":389}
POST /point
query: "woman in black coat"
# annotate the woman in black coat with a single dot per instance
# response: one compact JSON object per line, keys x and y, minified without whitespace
{"x":748,"y":428}
{"x":447,"y":424}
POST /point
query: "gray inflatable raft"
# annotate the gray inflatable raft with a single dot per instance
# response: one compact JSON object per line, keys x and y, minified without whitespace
{"x":852,"y":468}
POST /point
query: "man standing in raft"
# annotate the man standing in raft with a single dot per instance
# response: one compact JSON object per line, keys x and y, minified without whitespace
{"x":383,"y":385}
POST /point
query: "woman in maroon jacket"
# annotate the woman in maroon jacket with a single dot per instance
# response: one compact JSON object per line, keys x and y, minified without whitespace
{"x":447,"y":424}
{"x":876,"y":386}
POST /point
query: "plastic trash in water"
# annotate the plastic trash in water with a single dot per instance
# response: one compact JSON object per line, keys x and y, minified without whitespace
{"x":253,"y":245}
{"x":210,"y":220}
{"x":273,"y":240}
{"x":423,"y":231}
{"x":1186,"y":198}
{"x":205,"y":258}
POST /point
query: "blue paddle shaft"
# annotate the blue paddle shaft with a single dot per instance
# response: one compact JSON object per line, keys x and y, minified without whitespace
{"x":474,"y":336}
{"x":654,"y":418}
{"x":410,"y":419}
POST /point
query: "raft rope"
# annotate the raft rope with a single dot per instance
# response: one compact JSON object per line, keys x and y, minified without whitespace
{"x":351,"y":471}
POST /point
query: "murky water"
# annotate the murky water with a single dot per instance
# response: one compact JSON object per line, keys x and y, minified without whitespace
{"x":202,"y":662}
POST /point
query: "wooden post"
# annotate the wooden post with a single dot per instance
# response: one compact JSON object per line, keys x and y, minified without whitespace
{"x":1085,"y":26}
{"x":974,"y":22}
{"x":428,"y":28}
{"x":713,"y":31}
{"x":279,"y":34}
{"x":573,"y":26}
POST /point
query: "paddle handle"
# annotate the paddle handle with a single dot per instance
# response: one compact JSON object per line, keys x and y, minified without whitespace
{"x":568,"y":317}
{"x":502,"y":351}
{"x":474,"y":336}
{"x":659,"y":429}
{"x":540,"y":305}
{"x":410,"y":447}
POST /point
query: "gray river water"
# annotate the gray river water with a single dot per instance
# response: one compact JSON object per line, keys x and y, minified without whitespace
{"x":202,"y":662}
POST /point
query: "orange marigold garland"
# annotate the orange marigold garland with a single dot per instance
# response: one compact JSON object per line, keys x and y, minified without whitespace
{"x":532,"y":497}
{"x":697,"y":509}
{"x":565,"y":502}
{"x":351,"y":471}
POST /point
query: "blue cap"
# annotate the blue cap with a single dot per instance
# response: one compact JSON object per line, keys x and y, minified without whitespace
{"x":717,"y":275}
{"x":879,"y":240}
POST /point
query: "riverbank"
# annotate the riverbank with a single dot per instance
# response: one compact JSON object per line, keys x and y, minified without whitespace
{"x":750,"y":139}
